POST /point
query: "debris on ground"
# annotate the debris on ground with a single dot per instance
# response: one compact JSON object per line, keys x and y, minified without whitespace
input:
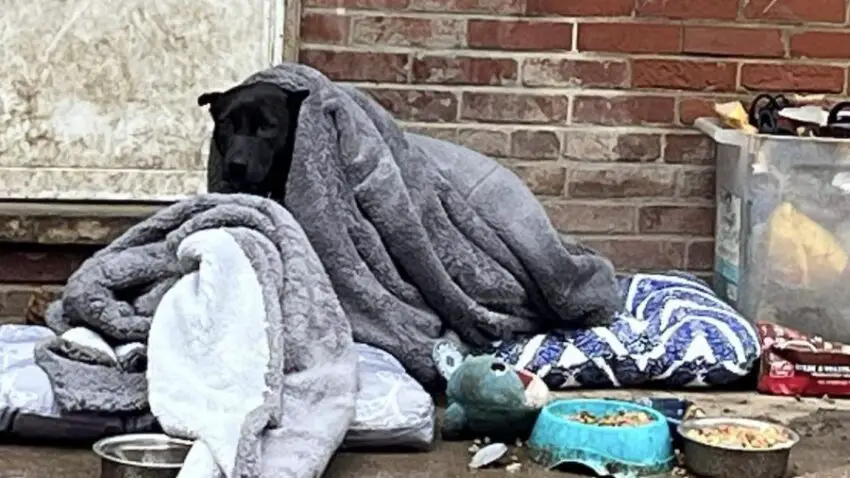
{"x":513,"y":467}
{"x":488,"y":455}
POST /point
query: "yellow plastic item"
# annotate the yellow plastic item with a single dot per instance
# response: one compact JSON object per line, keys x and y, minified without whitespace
{"x":800,"y":250}
{"x":735,"y":116}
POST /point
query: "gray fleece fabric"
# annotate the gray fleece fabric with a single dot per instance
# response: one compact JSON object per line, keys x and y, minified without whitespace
{"x":297,"y":414}
{"x":407,"y":240}
{"x":421,"y":237}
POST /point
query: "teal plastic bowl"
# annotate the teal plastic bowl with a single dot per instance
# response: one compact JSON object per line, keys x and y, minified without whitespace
{"x":619,"y":451}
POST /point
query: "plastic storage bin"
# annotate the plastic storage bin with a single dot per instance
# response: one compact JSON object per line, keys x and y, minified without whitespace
{"x":783,"y":229}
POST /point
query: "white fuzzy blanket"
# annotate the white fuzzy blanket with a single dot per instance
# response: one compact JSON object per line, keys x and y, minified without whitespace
{"x":248,"y":351}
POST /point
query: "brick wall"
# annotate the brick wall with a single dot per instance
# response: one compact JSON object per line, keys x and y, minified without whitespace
{"x":590,"y":101}
{"x":41,"y":244}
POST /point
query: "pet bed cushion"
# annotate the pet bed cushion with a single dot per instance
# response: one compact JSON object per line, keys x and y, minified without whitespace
{"x":392,"y":409}
{"x":674,"y":331}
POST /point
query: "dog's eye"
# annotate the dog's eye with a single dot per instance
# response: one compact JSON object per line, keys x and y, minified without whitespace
{"x":268,"y":131}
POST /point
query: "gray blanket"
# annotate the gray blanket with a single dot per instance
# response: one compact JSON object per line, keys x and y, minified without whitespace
{"x":420,"y":236}
{"x":248,"y":350}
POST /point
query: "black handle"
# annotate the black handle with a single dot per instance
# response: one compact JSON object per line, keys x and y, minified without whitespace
{"x":781,"y":102}
{"x":833,"y":117}
{"x":766,"y":122}
{"x":753,"y":113}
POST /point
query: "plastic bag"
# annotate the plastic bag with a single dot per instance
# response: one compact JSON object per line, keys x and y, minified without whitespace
{"x":801,"y":251}
{"x":392,"y":409}
{"x":794,"y":363}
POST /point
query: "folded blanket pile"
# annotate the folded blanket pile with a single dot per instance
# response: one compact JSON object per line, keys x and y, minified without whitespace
{"x":244,"y":311}
{"x":248,"y":350}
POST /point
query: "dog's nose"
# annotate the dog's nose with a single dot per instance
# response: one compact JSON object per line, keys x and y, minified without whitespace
{"x":237,"y":171}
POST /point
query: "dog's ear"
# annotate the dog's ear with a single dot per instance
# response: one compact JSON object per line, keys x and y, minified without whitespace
{"x":297,"y":97}
{"x":209,"y":98}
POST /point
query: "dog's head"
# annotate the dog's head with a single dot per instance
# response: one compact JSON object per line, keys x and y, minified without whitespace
{"x":254,"y":126}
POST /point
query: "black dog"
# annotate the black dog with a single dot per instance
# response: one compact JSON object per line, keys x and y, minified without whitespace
{"x":255,"y":135}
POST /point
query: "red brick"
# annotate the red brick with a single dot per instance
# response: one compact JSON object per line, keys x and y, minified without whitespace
{"x":15,"y":300}
{"x":834,"y":44}
{"x":445,"y":133}
{"x":623,"y":110}
{"x":700,"y":255}
{"x":321,"y":28}
{"x":40,"y":264}
{"x":485,"y":141}
{"x":573,"y":217}
{"x":502,"y":7}
{"x":530,"y":144}
{"x":596,"y":145}
{"x":519,"y":35}
{"x":580,"y":8}
{"x":689,"y":149}
{"x":684,"y":75}
{"x":417,"y":105}
{"x":357,"y":66}
{"x":631,"y":254}
{"x":619,"y":181}
{"x":688,"y":9}
{"x":697,"y":183}
{"x":514,"y":108}
{"x":787,"y":77}
{"x":693,"y":220}
{"x":371,"y":4}
{"x":407,"y":31}
{"x":630,"y":38}
{"x":571,"y":73}
{"x":734,"y":41}
{"x":797,"y":11}
{"x":545,"y":178}
{"x":695,"y":107}
{"x":464,"y":70}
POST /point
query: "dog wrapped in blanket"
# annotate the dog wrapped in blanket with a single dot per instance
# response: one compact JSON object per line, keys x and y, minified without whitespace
{"x":410,"y":229}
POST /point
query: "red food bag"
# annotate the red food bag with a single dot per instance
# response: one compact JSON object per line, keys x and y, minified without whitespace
{"x":792,"y":363}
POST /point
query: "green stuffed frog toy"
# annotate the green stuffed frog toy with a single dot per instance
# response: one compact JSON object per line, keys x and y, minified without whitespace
{"x":487,"y":397}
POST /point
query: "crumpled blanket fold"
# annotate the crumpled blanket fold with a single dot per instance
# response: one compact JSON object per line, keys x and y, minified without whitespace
{"x":426,"y":232}
{"x":248,"y":350}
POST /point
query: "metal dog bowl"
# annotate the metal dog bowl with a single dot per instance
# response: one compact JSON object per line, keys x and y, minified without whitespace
{"x":143,"y":455}
{"x":714,"y":461}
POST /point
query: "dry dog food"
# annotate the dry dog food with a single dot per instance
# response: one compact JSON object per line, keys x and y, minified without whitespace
{"x":794,"y":363}
{"x":616,"y":419}
{"x":739,"y":436}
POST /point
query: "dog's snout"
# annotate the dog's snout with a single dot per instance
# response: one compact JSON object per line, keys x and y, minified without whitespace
{"x":237,"y":171}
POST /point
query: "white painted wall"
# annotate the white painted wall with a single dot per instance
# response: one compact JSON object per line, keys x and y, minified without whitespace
{"x":98,"y":97}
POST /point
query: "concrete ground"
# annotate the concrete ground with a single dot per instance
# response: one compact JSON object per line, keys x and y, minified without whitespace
{"x":822,"y":453}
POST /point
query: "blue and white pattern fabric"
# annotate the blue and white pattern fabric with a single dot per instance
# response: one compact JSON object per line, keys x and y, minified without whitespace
{"x":673,"y":331}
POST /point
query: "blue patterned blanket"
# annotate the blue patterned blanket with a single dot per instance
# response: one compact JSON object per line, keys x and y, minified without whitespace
{"x":673,"y":331}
